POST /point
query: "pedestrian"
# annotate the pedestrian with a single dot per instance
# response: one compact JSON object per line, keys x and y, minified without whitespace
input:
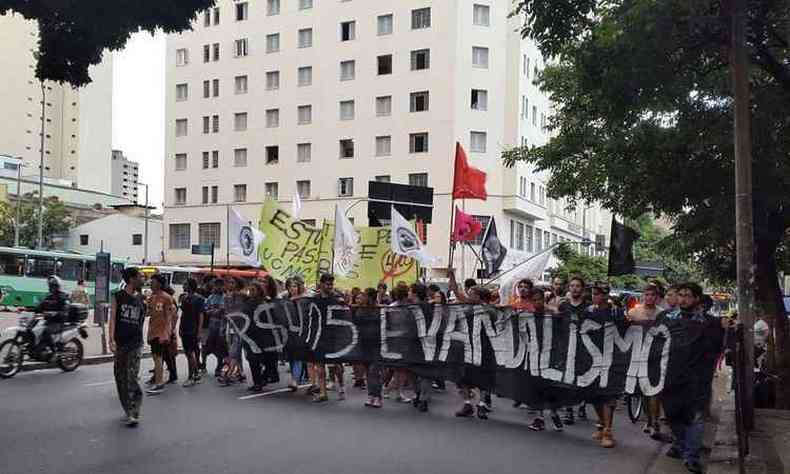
{"x":215,"y":313}
{"x":127,"y":314}
{"x":172,"y":346}
{"x":418,"y":294}
{"x":645,"y":314}
{"x":295,"y":290}
{"x":269,"y":291}
{"x":574,"y":307}
{"x":546,"y":391}
{"x":190,"y":328}
{"x":255,"y":359}
{"x":401,"y":377}
{"x":161,"y":309}
{"x":79,"y":295}
{"x":367,"y":314}
{"x":326,"y":295}
{"x":382,"y":298}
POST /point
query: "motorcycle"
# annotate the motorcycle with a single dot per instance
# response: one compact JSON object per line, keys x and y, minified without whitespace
{"x":25,"y":341}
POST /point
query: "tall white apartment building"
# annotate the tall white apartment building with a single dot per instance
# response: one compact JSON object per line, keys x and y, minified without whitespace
{"x":77,"y":122}
{"x":319,"y":97}
{"x":125,"y":176}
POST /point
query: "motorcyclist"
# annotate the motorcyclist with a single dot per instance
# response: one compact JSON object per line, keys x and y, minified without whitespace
{"x":53,"y":307}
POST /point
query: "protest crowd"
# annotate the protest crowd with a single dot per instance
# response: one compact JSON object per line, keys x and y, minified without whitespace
{"x":211,"y":345}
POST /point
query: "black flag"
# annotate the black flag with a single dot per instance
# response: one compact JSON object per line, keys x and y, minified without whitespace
{"x":492,"y":249}
{"x":373,"y":219}
{"x":621,"y":249}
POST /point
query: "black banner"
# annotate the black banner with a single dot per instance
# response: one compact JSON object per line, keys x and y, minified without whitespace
{"x":538,"y":359}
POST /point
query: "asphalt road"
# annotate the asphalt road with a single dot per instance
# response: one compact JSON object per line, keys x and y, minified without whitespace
{"x":69,"y":424}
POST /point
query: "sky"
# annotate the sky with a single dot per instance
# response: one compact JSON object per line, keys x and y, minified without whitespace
{"x":138,"y":116}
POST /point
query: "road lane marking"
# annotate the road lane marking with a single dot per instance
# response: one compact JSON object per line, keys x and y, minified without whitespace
{"x":98,"y":384}
{"x":272,"y":392}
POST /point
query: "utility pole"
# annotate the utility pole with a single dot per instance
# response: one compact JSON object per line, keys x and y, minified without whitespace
{"x":145,"y":243}
{"x":744,"y":219}
{"x":41,"y":173}
{"x":18,"y":201}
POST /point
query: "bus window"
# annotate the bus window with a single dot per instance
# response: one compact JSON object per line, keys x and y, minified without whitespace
{"x":179,"y":278}
{"x":40,"y":267}
{"x":90,"y":270}
{"x":115,"y":274}
{"x":12,"y":264}
{"x":70,"y":269}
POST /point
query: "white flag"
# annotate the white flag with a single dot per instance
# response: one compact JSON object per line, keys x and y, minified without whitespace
{"x":244,"y":239}
{"x":406,"y":242}
{"x":346,"y":251}
{"x":532,"y":269}
{"x":296,"y":205}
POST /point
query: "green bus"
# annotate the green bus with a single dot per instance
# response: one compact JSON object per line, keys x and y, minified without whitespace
{"x":24,"y":273}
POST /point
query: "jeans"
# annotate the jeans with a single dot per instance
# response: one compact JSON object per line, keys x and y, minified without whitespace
{"x":296,"y":371}
{"x":424,"y":389}
{"x":688,"y":429}
{"x":373,"y":377}
{"x":256,"y":369}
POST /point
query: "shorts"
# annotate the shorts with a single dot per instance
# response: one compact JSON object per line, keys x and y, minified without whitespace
{"x":189,"y":342}
{"x":159,"y":348}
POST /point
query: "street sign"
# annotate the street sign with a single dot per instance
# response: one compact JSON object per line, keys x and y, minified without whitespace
{"x":204,"y":249}
{"x":102,"y":285}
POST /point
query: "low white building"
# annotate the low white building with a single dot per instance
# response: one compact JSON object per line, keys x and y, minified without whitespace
{"x":122,"y":235}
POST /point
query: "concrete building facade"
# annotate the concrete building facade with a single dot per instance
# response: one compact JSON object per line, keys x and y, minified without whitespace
{"x":121,"y":234}
{"x":271,"y":98}
{"x":125,"y":176}
{"x":77,"y":122}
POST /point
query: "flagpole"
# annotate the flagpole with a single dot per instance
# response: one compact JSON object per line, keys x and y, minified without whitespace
{"x":522,"y":263}
{"x":227,"y":236}
{"x":463,"y":247}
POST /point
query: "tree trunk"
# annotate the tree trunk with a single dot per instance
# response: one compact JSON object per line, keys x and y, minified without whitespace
{"x":768,"y":296}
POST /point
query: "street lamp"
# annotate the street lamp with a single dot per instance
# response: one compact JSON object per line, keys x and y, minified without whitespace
{"x":145,"y":243}
{"x":41,"y":173}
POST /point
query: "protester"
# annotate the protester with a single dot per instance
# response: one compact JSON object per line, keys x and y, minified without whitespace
{"x":646,"y":312}
{"x":574,"y":306}
{"x":671,"y":298}
{"x":215,"y":313}
{"x":171,"y":348}
{"x":161,"y":309}
{"x":127,"y":314}
{"x":548,"y":393}
{"x":400,"y":377}
{"x":685,"y":398}
{"x":382,"y":298}
{"x":366,"y":313}
{"x":190,"y":328}
{"x":269,"y":287}
{"x":79,"y":295}
{"x":522,"y":300}
{"x":418,"y":294}
{"x":295,"y":289}
{"x":326,"y":291}
{"x":257,"y":296}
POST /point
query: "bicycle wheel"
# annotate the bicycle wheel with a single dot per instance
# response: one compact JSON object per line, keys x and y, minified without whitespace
{"x":635,"y":403}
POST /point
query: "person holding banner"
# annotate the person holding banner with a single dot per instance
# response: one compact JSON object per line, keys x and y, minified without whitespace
{"x":574,"y":306}
{"x":295,"y":289}
{"x":641,"y":314}
{"x":326,"y":290}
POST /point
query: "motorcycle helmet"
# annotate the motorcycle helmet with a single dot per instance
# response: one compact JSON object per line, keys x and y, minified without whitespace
{"x":54,"y":284}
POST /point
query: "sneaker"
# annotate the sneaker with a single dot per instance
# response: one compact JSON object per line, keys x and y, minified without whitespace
{"x":341,"y":394}
{"x":423,"y":406}
{"x":293,"y":386}
{"x":320,"y":399}
{"x":482,"y":411}
{"x":155,"y":390}
{"x":133,"y":421}
{"x":674,"y":453}
{"x":255,"y":389}
{"x":190,"y":383}
{"x":646,"y":428}
{"x":693,"y":466}
{"x":568,"y":419}
{"x":150,"y":381}
{"x":376,"y":402}
{"x":582,"y":415}
{"x":537,"y":425}
{"x":124,"y":418}
{"x":465,"y":411}
{"x":369,"y":402}
{"x":403,"y":399}
{"x":655,"y":433}
{"x":172,"y":380}
{"x":557,"y":422}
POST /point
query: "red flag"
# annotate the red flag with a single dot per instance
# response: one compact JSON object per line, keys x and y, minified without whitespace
{"x":466,"y":227}
{"x":469,"y":182}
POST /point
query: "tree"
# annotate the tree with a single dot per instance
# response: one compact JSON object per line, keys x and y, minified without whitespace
{"x":644,"y":122}
{"x":592,"y":269}
{"x":57,"y":221}
{"x":74,"y":35}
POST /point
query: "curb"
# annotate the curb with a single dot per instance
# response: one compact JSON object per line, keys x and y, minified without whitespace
{"x":92,"y":360}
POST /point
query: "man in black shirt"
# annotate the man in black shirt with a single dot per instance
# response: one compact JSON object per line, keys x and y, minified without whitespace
{"x":126,"y":342}
{"x":191,"y":323}
{"x":574,"y":307}
{"x":53,"y":306}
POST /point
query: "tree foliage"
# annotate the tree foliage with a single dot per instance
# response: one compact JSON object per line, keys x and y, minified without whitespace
{"x":74,"y":34}
{"x":57,"y":221}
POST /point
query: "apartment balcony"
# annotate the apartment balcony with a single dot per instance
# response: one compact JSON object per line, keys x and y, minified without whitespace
{"x":522,"y":207}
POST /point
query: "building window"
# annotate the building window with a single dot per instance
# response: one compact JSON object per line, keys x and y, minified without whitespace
{"x":347,"y":110}
{"x":524,"y":107}
{"x":182,"y":57}
{"x":272,"y":7}
{"x":305,"y":4}
{"x":215,"y":124}
{"x":215,"y":49}
{"x":543,"y":121}
{"x":137,"y":239}
{"x":306,"y":38}
{"x":240,"y":121}
{"x":525,"y":66}
{"x":418,"y":143}
{"x":272,"y":80}
{"x":479,"y":99}
{"x":272,"y":190}
{"x":304,"y":114}
{"x":421,"y":18}
{"x":532,"y":192}
{"x":182,"y":92}
{"x":420,"y":59}
{"x":206,"y":124}
{"x":206,"y":160}
{"x":181,"y":127}
{"x":206,"y":53}
{"x":482,"y":15}
{"x":534,"y":115}
{"x":477,"y":141}
{"x":240,"y":47}
{"x":215,"y":159}
{"x":384,"y":106}
{"x":181,"y":161}
{"x":480,"y":57}
{"x":240,"y":157}
{"x":303,"y":188}
{"x":522,"y":186}
{"x":383,"y":178}
{"x":538,"y":240}
{"x":347,"y":70}
{"x":519,"y":236}
{"x":215,"y":87}
{"x":418,"y":179}
{"x":385,"y":64}
{"x":209,"y":234}
{"x":240,"y":84}
{"x":272,"y":155}
{"x":348,"y":30}
{"x":240,"y":192}
{"x":304,"y":153}
{"x":214,"y":194}
{"x":242,"y":11}
{"x":83,"y":239}
{"x":272,"y":118}
{"x":542,"y":196}
{"x":180,"y":196}
{"x":180,"y":237}
{"x":384,"y":146}
{"x":347,"y":148}
{"x":216,"y":16}
{"x":419,"y":101}
{"x":345,"y":187}
{"x":273,"y":43}
{"x":206,"y":89}
{"x":305,"y":74}
{"x":385,"y":24}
